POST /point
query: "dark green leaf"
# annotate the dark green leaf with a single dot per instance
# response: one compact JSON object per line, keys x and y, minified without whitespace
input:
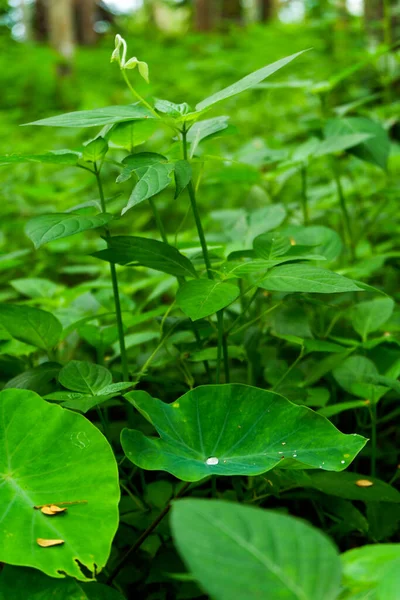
{"x":46,"y":228}
{"x":86,"y":377}
{"x":31,"y":325}
{"x":183,"y":175}
{"x":201,"y":298}
{"x":304,"y":278}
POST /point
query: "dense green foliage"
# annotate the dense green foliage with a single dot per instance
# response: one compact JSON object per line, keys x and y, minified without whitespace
{"x":198,"y":297}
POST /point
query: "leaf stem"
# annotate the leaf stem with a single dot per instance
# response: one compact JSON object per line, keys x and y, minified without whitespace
{"x":304,"y":196}
{"x":145,"y":535}
{"x":158,"y":220}
{"x":114,"y":281}
{"x":345,"y":213}
{"x":137,"y":95}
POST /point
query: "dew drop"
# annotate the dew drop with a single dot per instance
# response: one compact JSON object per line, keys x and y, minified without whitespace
{"x":343,"y":462}
{"x":283,"y":443}
{"x":213,"y":460}
{"x":294,"y":455}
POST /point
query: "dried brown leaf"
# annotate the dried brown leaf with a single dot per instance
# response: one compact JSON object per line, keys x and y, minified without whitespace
{"x":49,"y":543}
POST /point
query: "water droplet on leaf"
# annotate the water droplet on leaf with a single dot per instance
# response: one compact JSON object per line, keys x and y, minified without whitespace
{"x":213,"y":460}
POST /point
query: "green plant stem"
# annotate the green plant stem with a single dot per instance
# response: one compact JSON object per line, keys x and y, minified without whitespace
{"x":137,"y":95}
{"x":304,"y":197}
{"x":158,"y":220}
{"x":220,"y":321}
{"x":345,"y":213}
{"x":114,"y":280}
{"x":292,"y":366}
{"x":145,"y":535}
{"x":249,"y":323}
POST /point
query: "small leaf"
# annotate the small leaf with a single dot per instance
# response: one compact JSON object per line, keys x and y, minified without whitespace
{"x":152,"y":180}
{"x":339,"y":143}
{"x":131,"y":134}
{"x":234,"y":429}
{"x":46,"y":228}
{"x":135,"y":251}
{"x":98,"y":117}
{"x":369,"y":316}
{"x":304,"y":278}
{"x":204,"y":129}
{"x":86,"y":377}
{"x":201,"y":298}
{"x":246,"y":83}
{"x":255,"y":553}
{"x":95,"y":150}
{"x":271,"y":245}
{"x":183,"y":175}
{"x":49,"y":543}
{"x":31,"y":325}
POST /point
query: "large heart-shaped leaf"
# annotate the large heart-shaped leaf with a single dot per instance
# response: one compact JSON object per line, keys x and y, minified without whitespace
{"x":234,"y":429}
{"x":46,"y":228}
{"x":16,"y":581}
{"x":31,"y":325}
{"x":124,"y":250}
{"x":255,"y":553}
{"x":49,"y":455}
{"x":303,"y":278}
{"x":201,"y":298}
{"x":98,"y":116}
{"x":246,"y":82}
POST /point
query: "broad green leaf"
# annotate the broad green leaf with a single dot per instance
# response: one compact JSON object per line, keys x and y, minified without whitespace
{"x":36,"y":379}
{"x":204,"y":129}
{"x":369,"y":316}
{"x":95,"y":150}
{"x":58,"y":157}
{"x":98,"y":116}
{"x":374,"y":150}
{"x":82,"y":376}
{"x":35,"y":287}
{"x":365,"y":568}
{"x":152,"y":180}
{"x":31,"y":325}
{"x":183,"y":175}
{"x":246,"y":83}
{"x":68,"y":460}
{"x":243,"y":552}
{"x":46,"y":228}
{"x":171,"y":108}
{"x":16,"y":581}
{"x":353,"y":376}
{"x":339,"y":143}
{"x":325,"y":241}
{"x":201,"y":298}
{"x":304,"y":278}
{"x":136,"y":251}
{"x":271,"y":245}
{"x":389,"y":585}
{"x":234,"y":429}
{"x":344,"y":485}
{"x":132,"y":133}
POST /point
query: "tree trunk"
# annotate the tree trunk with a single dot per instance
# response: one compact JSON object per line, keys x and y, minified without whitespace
{"x":85,"y":13}
{"x":60,"y":18}
{"x":267,"y":10}
{"x":231,"y":11}
{"x":203,"y":20}
{"x":26,"y":18}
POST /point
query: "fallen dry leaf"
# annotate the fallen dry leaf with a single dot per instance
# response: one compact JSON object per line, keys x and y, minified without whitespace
{"x":49,"y":543}
{"x":52,"y":510}
{"x":364,"y":483}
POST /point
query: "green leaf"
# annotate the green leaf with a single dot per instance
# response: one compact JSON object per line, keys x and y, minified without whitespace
{"x":201,"y":298}
{"x":69,"y":460}
{"x":304,"y":278}
{"x":35,"y":379}
{"x":152,"y":179}
{"x":234,"y":429}
{"x":46,"y":228}
{"x":16,"y":581}
{"x":183,"y":175}
{"x":344,"y":485}
{"x":365,"y":568}
{"x":95,"y":150}
{"x":135,"y":251}
{"x":86,"y":377}
{"x":374,"y":150}
{"x":389,"y":586}
{"x":246,"y":83}
{"x":98,"y":116}
{"x":255,"y":553}
{"x":271,"y":245}
{"x":339,"y":143}
{"x":353,"y":376}
{"x":31,"y":325}
{"x":35,"y":287}
{"x":132,"y":133}
{"x":58,"y":157}
{"x":204,"y":129}
{"x":369,"y":316}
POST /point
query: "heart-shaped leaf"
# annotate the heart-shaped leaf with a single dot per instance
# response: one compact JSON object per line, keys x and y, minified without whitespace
{"x":31,"y":325}
{"x":46,"y":228}
{"x":124,"y":250}
{"x":16,"y":581}
{"x":86,"y":377}
{"x":255,"y":553}
{"x":234,"y":429}
{"x":63,"y":448}
{"x":201,"y":298}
